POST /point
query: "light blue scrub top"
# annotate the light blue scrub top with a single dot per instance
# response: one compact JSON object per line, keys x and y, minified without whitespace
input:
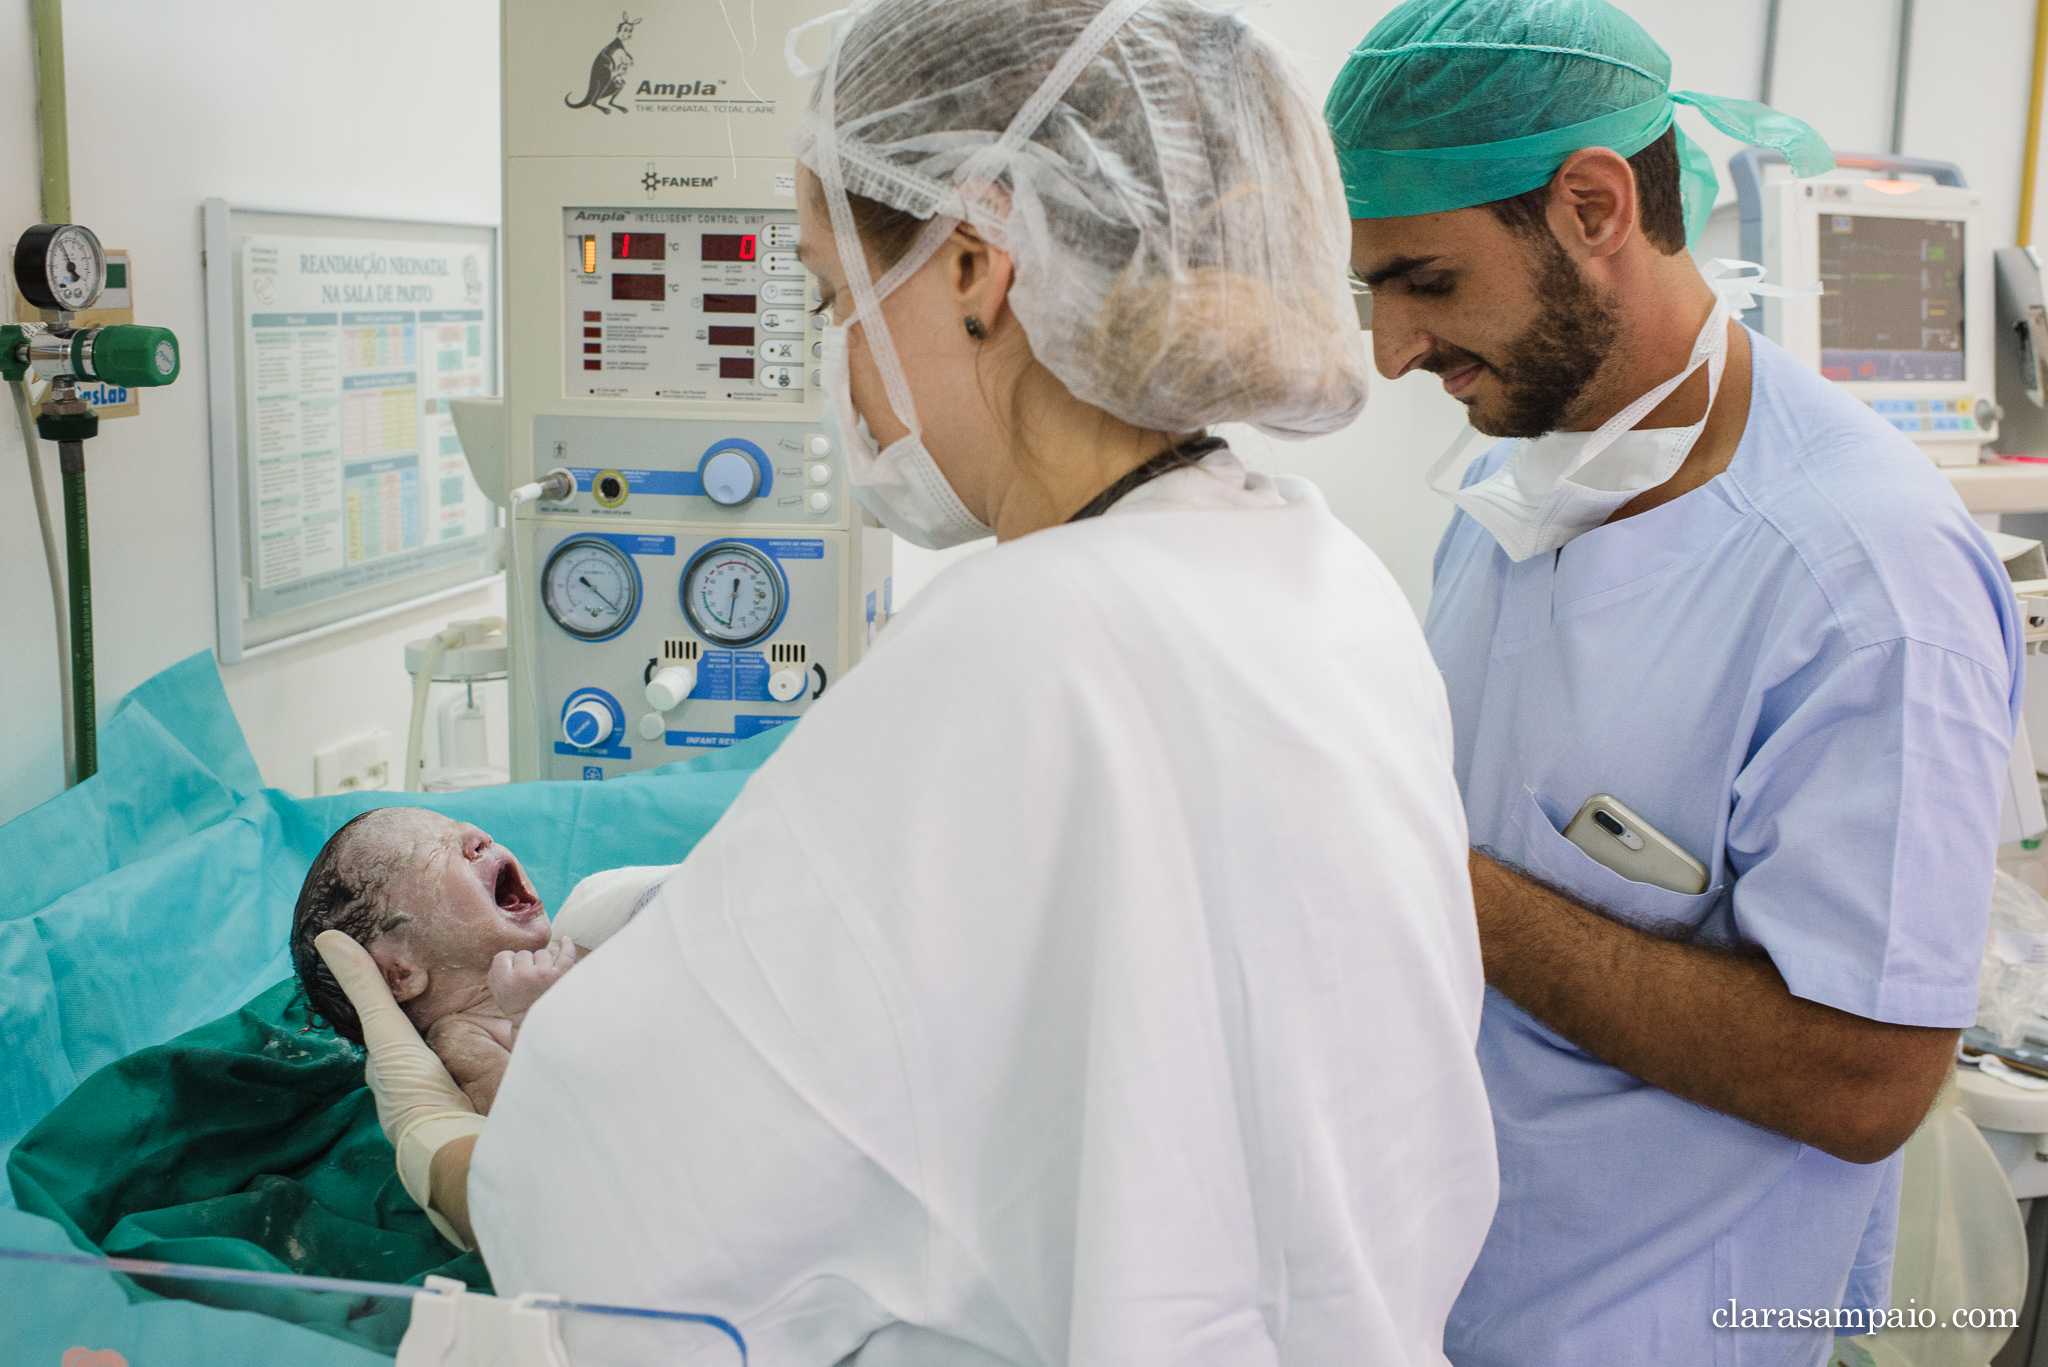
{"x":1806,"y":673}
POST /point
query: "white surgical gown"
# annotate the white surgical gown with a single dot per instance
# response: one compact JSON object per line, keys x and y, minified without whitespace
{"x":1091,"y":979}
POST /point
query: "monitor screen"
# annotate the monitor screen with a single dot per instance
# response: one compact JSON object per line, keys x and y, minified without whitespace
{"x":1891,"y":305}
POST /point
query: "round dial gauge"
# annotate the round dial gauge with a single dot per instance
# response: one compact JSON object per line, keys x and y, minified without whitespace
{"x":590,"y":588}
{"x":732,"y":594}
{"x":60,"y":266}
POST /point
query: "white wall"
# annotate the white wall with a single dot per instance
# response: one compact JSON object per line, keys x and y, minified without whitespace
{"x":385,"y":108}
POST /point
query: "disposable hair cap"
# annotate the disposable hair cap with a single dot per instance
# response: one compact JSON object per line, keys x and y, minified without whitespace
{"x":1452,"y":103}
{"x":1157,"y":172}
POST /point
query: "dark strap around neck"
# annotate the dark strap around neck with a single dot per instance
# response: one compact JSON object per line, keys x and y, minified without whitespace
{"x":1166,"y":462}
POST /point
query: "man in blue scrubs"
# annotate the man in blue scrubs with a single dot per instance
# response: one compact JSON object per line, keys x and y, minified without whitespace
{"x":1702,"y":580}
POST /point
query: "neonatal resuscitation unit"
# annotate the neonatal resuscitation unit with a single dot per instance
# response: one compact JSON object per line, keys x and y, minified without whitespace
{"x":709,"y":577}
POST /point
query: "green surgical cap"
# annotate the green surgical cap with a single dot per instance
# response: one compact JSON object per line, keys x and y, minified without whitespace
{"x":1452,"y":103}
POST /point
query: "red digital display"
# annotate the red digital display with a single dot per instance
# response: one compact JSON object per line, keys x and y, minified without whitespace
{"x":730,"y":336}
{"x":639,"y":287}
{"x":639,"y":247}
{"x":593,"y":316}
{"x":593,"y":348}
{"x":593,"y":365}
{"x":728,"y":246}
{"x":727,"y":303}
{"x":593,"y":332}
{"x":735,"y":368}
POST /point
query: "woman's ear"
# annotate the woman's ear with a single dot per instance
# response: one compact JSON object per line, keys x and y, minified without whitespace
{"x":982,"y":276}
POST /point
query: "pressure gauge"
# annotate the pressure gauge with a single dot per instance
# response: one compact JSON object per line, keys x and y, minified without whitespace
{"x":732,"y":594}
{"x":60,"y":266}
{"x":591,"y":588}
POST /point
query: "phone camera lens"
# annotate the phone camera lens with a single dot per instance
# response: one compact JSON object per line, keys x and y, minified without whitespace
{"x":1609,"y":825}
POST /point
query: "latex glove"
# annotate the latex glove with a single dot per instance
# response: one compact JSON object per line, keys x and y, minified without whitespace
{"x":597,"y":907}
{"x":418,"y":1103}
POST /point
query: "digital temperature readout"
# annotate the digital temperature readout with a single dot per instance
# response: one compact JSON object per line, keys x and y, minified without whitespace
{"x":728,"y":246}
{"x":639,"y":247}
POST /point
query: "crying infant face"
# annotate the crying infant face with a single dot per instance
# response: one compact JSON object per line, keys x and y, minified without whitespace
{"x":433,"y":900}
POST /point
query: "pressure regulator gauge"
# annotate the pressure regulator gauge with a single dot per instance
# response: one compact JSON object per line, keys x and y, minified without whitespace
{"x":733,"y":594}
{"x":60,"y":266}
{"x":591,"y":588}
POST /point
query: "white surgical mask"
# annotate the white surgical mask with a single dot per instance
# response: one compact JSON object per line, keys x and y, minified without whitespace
{"x":902,"y":486}
{"x":1555,"y":487}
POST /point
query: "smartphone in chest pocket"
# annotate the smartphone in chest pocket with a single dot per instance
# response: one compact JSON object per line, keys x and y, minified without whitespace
{"x":1617,"y":838}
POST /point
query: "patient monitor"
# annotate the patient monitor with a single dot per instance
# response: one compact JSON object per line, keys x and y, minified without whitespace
{"x":710,"y":577}
{"x":1901,"y":250}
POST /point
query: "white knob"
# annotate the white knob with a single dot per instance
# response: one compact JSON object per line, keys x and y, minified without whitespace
{"x":786,"y":685}
{"x":821,"y":446}
{"x":653,"y":726}
{"x":588,"y":724}
{"x":821,"y":474}
{"x":820,"y":500}
{"x":670,"y":685}
{"x":730,"y":478}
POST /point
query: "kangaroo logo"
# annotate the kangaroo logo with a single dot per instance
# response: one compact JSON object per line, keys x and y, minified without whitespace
{"x":608,"y":72}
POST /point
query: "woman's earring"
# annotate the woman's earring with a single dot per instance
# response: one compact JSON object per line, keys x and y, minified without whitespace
{"x":975,"y":329}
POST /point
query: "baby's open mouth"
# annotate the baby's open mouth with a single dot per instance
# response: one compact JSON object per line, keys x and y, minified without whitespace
{"x":513,"y":895}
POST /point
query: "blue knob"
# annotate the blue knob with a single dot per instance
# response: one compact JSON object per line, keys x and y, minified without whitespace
{"x":589,"y":722}
{"x":730,"y":478}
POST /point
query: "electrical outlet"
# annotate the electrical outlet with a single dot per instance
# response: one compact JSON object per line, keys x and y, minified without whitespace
{"x":355,"y":765}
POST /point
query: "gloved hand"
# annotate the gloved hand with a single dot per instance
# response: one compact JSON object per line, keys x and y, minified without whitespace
{"x":418,"y":1103}
{"x":599,"y":907}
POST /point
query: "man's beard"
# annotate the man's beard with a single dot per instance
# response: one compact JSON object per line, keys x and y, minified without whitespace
{"x":1544,"y":372}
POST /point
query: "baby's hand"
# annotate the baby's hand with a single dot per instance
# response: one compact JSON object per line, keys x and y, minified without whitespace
{"x":518,"y":979}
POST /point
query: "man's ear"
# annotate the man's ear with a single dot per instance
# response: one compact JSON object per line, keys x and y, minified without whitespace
{"x":402,"y":970}
{"x":1593,"y":202}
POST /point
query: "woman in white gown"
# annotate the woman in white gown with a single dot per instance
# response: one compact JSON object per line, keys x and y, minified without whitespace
{"x":1091,"y":977}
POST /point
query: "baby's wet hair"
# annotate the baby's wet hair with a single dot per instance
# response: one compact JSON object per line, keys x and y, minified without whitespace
{"x":344,"y":895}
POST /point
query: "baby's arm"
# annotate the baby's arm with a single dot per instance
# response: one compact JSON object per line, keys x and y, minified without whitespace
{"x":518,"y":979}
{"x":475,"y":1052}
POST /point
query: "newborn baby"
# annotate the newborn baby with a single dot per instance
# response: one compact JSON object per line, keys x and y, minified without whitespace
{"x":460,"y":935}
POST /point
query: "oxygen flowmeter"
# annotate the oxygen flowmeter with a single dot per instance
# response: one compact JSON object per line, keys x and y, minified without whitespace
{"x":61,"y":269}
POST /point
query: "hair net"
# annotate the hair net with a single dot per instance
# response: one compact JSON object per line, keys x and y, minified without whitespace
{"x":1156,"y":172}
{"x":1452,"y":103}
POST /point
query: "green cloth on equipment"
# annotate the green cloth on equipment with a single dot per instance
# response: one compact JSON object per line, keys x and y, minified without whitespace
{"x":1452,"y":103}
{"x":251,"y":1143}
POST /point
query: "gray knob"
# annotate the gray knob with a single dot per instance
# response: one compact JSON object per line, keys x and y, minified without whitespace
{"x":1987,"y":413}
{"x":731,"y":478}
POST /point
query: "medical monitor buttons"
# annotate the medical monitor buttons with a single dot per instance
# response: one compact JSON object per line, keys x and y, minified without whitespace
{"x":782,"y":234}
{"x":587,"y":724}
{"x":821,"y":474}
{"x":590,"y":588}
{"x":779,"y":349}
{"x":732,"y":594}
{"x":60,"y":266}
{"x":730,"y":477}
{"x":782,"y":320}
{"x":819,"y":445}
{"x":787,"y":684}
{"x":653,"y":726}
{"x":779,"y":377}
{"x":820,"y":501}
{"x":781,"y":292}
{"x":780,"y":263}
{"x":670,"y":685}
{"x":609,"y":488}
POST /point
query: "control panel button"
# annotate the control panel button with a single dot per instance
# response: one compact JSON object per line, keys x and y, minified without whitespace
{"x":782,"y":292}
{"x":821,"y":474}
{"x":820,"y":501}
{"x":778,"y":377}
{"x":782,"y":234}
{"x":787,"y":685}
{"x":780,"y":263}
{"x":730,"y":478}
{"x":818,"y":350}
{"x":782,"y":320}
{"x":669,"y":686}
{"x":818,"y":444}
{"x":778,"y":349}
{"x":588,"y":724}
{"x":653,"y":726}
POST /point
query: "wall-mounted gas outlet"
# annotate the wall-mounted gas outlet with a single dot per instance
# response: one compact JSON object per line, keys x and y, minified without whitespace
{"x":353,"y":765}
